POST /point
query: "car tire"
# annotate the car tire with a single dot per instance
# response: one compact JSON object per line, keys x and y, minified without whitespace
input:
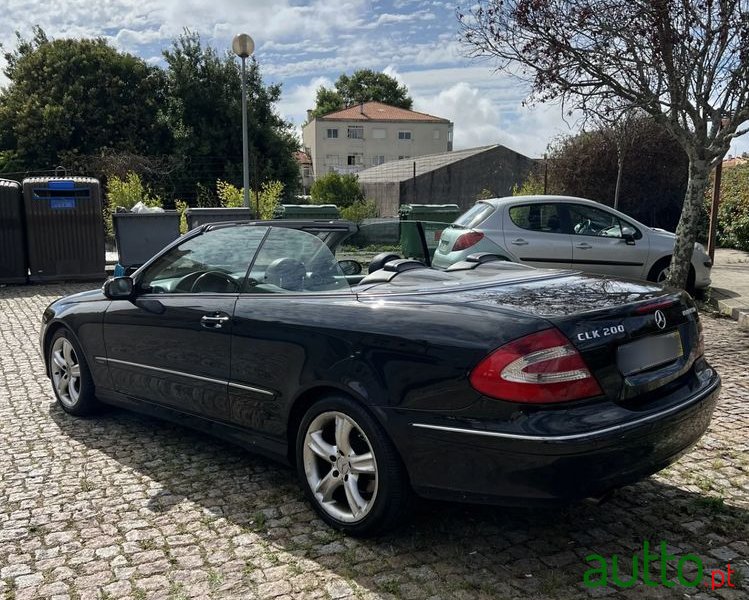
{"x":70,"y":376}
{"x":349,"y":469}
{"x":658,"y":273}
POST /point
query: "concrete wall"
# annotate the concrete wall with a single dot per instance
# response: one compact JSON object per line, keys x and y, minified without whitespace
{"x":497,"y":170}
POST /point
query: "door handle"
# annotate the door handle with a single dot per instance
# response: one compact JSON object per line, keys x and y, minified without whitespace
{"x":215,"y":321}
{"x":584,"y":246}
{"x":519,"y":242}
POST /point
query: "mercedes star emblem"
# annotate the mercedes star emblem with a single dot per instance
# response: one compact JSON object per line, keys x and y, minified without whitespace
{"x":660,"y":319}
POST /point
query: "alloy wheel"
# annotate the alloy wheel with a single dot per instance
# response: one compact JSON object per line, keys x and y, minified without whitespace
{"x":66,"y":372}
{"x":340,"y":466}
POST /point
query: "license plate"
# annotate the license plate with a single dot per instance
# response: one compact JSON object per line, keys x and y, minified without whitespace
{"x":649,"y":352}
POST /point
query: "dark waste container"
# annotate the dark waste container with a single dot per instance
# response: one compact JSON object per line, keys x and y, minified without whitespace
{"x":200,"y":216}
{"x":434,"y":218}
{"x":141,"y":235}
{"x":306,"y":211}
{"x":13,"y":264}
{"x":64,"y":228}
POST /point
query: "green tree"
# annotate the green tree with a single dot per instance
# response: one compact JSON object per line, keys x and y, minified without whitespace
{"x":203,"y":110}
{"x":334,"y":188}
{"x":77,"y":95}
{"x":365,"y":85}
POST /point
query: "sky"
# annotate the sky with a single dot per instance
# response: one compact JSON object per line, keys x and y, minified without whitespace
{"x":304,"y":45}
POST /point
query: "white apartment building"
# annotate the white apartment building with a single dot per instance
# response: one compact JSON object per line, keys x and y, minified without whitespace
{"x":370,"y":134}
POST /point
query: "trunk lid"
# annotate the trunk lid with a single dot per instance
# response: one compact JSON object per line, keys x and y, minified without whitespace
{"x":635,"y":336}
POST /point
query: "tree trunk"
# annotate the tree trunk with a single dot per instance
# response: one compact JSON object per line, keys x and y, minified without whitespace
{"x":686,"y":231}
{"x":620,"y":165}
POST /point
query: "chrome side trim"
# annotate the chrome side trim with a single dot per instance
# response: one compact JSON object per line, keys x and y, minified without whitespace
{"x":571,"y":437}
{"x":169,"y":371}
{"x":239,"y":386}
{"x":249,"y":388}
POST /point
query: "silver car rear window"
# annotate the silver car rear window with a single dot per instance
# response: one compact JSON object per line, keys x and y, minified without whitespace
{"x":475,"y":215}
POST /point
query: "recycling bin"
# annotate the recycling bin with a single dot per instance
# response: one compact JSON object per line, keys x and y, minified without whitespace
{"x":13,"y":264}
{"x":434,"y":219}
{"x":139,"y":236}
{"x":64,"y":228}
{"x":200,"y":216}
{"x":306,"y":211}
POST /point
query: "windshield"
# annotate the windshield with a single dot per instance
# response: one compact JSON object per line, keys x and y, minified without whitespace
{"x":475,"y":215}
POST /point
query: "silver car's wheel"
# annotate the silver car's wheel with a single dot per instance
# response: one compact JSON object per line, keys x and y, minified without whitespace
{"x":340,"y":466}
{"x":662,"y":275}
{"x":66,"y":372}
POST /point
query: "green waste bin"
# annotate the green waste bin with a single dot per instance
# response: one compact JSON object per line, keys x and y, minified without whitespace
{"x":306,"y":211}
{"x":434,"y":218}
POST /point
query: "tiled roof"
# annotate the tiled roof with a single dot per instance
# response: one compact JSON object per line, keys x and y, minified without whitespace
{"x":377,"y":111}
{"x":302,"y":158}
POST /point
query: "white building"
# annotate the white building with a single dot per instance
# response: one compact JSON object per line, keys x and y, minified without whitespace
{"x":370,"y":134}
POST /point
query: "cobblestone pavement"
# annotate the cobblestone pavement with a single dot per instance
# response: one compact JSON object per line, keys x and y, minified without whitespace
{"x":127,"y":506}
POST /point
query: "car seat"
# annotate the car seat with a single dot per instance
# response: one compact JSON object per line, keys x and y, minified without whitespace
{"x":286,"y":273}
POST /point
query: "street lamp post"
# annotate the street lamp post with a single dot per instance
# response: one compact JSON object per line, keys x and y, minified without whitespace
{"x":243,"y":46}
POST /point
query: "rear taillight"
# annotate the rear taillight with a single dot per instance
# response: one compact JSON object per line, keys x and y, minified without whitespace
{"x":468,"y":239}
{"x":538,"y":368}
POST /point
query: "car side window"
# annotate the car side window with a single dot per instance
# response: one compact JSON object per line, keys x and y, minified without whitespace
{"x":537,"y":217}
{"x":588,"y":220}
{"x":214,"y":262}
{"x":293,"y":261}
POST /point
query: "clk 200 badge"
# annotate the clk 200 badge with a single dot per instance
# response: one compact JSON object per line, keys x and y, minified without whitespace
{"x":593,"y":334}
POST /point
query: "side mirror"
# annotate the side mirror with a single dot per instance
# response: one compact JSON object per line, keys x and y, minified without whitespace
{"x":350,"y":267}
{"x":629,"y":235}
{"x":119,"y":288}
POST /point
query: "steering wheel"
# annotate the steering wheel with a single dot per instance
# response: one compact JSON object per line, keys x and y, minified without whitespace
{"x":214,"y":281}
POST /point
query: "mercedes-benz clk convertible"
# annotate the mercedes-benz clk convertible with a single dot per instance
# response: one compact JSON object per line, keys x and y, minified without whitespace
{"x":488,"y":381}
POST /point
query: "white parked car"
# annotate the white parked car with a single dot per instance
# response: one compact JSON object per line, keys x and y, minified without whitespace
{"x":566,"y":232}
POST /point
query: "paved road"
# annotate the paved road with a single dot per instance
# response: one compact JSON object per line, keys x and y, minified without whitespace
{"x":126,"y":506}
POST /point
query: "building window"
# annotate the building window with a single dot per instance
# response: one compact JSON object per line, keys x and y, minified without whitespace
{"x":332,"y":134}
{"x":404,"y":135}
{"x":402,"y":156}
{"x":331,"y":159}
{"x":450,"y":135}
{"x":354,"y":160}
{"x":305,"y":171}
{"x":436,"y":134}
{"x":378,"y":160}
{"x":356,"y":132}
{"x":379,"y":134}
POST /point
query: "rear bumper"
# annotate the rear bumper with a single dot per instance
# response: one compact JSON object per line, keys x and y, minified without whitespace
{"x":452,"y":462}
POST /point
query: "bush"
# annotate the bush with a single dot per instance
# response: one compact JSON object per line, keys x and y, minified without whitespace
{"x":230,"y":196}
{"x":359,"y":211}
{"x":334,"y":188}
{"x":733,"y":210}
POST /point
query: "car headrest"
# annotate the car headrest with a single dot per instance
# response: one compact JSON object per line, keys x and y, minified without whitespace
{"x":380,"y":260}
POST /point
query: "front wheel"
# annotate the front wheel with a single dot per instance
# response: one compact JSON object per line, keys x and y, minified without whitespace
{"x":349,"y":469}
{"x":71,"y":378}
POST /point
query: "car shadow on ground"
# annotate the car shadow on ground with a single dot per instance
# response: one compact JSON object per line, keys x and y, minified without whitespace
{"x":451,"y":550}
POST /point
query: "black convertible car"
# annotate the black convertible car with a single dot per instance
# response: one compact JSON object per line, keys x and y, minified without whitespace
{"x":486,"y":382}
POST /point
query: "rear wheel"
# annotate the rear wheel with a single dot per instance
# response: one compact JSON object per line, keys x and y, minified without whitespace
{"x":349,"y":469}
{"x":71,"y":378}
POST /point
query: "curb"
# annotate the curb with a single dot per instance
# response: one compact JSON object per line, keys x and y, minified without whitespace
{"x":732,"y":307}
